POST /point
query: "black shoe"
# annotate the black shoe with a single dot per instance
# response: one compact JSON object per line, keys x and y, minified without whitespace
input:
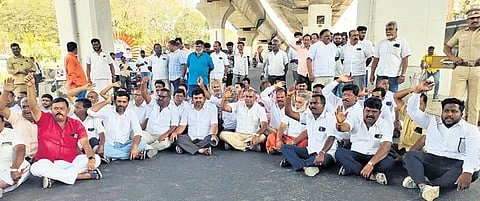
{"x":284,"y":163}
{"x":178,"y":149}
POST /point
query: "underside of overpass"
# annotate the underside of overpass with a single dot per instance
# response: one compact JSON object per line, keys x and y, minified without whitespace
{"x":254,"y":24}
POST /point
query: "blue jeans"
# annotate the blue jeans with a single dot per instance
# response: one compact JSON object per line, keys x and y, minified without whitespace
{"x":122,"y":151}
{"x":353,"y":162}
{"x":191,"y":88}
{"x":299,"y":157}
{"x":436,"y":78}
{"x":392,"y":81}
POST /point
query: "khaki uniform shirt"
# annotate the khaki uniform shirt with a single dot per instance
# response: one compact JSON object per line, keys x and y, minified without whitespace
{"x":468,"y":44}
{"x":20,"y":63}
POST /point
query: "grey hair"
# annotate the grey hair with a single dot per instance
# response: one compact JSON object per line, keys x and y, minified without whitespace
{"x":391,"y":23}
{"x":305,"y":96}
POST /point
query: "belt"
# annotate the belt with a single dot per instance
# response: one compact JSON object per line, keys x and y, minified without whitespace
{"x":470,"y":64}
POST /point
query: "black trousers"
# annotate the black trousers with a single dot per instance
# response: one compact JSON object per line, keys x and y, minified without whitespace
{"x":441,"y":171}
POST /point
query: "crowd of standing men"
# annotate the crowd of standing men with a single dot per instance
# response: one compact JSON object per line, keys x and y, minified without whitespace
{"x":193,"y":101}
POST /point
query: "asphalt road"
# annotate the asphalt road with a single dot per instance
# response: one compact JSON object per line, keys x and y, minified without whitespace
{"x":226,"y":175}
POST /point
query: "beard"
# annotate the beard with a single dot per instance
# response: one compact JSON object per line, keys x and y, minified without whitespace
{"x":120,"y":109}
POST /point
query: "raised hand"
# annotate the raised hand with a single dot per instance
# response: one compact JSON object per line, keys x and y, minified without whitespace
{"x":424,"y":86}
{"x":228,"y":93}
{"x":118,"y":84}
{"x":90,"y":86}
{"x":345,"y":78}
{"x":8,"y":84}
{"x":340,"y":115}
{"x":279,"y":84}
{"x":30,"y":80}
{"x":200,"y":81}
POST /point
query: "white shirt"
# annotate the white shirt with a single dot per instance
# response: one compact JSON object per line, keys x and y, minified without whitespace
{"x":355,"y":58}
{"x":240,"y":64}
{"x":145,"y":61}
{"x":117,"y":127}
{"x":276,"y":114}
{"x":159,"y":66}
{"x":140,"y":111}
{"x":367,"y":44}
{"x":248,"y":120}
{"x":323,"y":58}
{"x":116,"y":66}
{"x":220,"y":60}
{"x":199,"y":122}
{"x":367,"y":140}
{"x":390,"y":54}
{"x":9,"y":139}
{"x":294,"y":127}
{"x":159,"y":122}
{"x":16,"y":108}
{"x":179,"y":108}
{"x":99,"y":65}
{"x":275,"y":63}
{"x":389,"y":101}
{"x":92,"y":125}
{"x":461,"y":141}
{"x":318,"y":131}
{"x":229,"y":119}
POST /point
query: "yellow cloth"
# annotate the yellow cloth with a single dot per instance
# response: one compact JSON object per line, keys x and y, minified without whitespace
{"x":408,"y":136}
{"x":20,"y":64}
{"x":428,"y":62}
{"x":124,"y":70}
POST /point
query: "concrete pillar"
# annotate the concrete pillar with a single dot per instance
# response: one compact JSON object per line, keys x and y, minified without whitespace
{"x":249,"y":38}
{"x":421,"y":23}
{"x":82,"y":20}
{"x":216,"y":13}
{"x":319,"y":17}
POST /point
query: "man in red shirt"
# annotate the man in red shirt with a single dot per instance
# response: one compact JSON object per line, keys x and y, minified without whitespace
{"x":75,"y":74}
{"x":57,"y":158}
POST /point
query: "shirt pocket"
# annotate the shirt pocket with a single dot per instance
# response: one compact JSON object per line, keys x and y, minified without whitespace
{"x":376,"y":139}
{"x":395,"y":50}
{"x":461,"y":145}
{"x":71,"y":139}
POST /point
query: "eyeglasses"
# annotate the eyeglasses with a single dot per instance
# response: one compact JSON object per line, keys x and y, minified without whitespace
{"x":249,"y":96}
{"x":163,"y":97}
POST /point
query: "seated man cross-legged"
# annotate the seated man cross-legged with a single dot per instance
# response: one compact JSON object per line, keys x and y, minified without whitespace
{"x":57,"y":158}
{"x":452,"y":160}
{"x":201,"y":119}
{"x":371,"y":139}
{"x":320,"y":129}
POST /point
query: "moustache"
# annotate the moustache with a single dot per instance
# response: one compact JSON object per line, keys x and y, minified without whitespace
{"x":58,"y":114}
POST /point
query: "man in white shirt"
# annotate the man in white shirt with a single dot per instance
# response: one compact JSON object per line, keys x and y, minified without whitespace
{"x":14,"y":169}
{"x":119,"y":124}
{"x":391,"y":58}
{"x":116,"y":66}
{"x":178,"y":103}
{"x":293,"y":55}
{"x":161,"y":120}
{"x":100,"y":70}
{"x":220,"y":63}
{"x":158,"y":63}
{"x":276,"y":63}
{"x":320,"y":131}
{"x":142,"y":67}
{"x":452,"y":157}
{"x":240,"y":64}
{"x":139,"y":106}
{"x":22,"y":121}
{"x":251,"y":123}
{"x":362,"y":31}
{"x":355,"y":58}
{"x":321,"y":59}
{"x":201,"y":119}
{"x":371,"y":138}
{"x":93,"y":126}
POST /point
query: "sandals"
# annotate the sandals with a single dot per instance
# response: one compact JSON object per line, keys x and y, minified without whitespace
{"x":95,"y":174}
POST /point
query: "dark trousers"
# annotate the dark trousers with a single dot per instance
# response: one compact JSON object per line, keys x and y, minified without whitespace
{"x":441,"y":171}
{"x":354,"y":162}
{"x":272,"y":79}
{"x":299,"y":157}
{"x":93,"y":142}
{"x":229,"y":79}
{"x":175,"y":83}
{"x":392,"y":81}
{"x":192,"y":146}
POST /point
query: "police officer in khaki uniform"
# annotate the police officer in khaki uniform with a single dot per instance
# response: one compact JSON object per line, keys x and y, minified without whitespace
{"x":19,"y":66}
{"x":466,"y":76}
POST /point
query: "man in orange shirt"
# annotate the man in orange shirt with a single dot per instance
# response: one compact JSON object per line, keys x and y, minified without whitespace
{"x":75,"y":74}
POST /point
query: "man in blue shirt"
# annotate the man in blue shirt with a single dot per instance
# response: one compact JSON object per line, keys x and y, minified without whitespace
{"x":199,"y":64}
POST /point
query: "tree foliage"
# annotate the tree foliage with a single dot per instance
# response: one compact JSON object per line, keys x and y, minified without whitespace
{"x":33,"y":24}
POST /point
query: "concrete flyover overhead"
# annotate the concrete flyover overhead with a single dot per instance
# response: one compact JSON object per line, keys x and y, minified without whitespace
{"x":255,"y":26}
